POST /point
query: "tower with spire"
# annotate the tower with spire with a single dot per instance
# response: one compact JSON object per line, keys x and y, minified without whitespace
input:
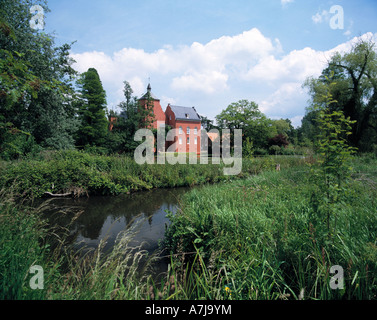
{"x":185,"y":120}
{"x":150,"y":100}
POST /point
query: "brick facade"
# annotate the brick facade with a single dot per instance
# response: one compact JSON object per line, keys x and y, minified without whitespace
{"x":188,"y":131}
{"x":159,"y":115}
{"x":185,"y":120}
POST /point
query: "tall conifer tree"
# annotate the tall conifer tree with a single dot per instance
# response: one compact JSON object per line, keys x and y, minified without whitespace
{"x":92,"y":111}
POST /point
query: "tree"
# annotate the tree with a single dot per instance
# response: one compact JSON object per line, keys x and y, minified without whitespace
{"x":207,"y":124}
{"x":92,"y":111}
{"x":333,"y":171}
{"x":308,"y":132}
{"x":37,"y":95}
{"x":127,"y":94}
{"x":279,"y":140}
{"x":132,"y":117}
{"x":355,"y":91}
{"x":246,"y":115}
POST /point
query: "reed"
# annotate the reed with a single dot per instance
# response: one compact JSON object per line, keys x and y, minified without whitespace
{"x":252,"y":238}
{"x":266,"y":235}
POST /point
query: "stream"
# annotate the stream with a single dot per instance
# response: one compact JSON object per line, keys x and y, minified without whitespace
{"x":102,"y":218}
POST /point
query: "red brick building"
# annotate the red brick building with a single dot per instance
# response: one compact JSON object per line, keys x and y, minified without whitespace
{"x":187,"y":123}
{"x":185,"y":120}
{"x":159,"y":115}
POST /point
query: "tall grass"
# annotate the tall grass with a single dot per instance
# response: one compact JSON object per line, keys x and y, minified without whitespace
{"x":255,"y":238}
{"x":27,"y":240}
{"x":22,"y":245}
{"x":265,"y":233}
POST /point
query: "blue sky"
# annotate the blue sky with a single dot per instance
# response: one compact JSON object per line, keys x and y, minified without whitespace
{"x":210,"y":53}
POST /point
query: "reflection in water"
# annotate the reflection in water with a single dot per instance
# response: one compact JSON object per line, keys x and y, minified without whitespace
{"x":104,"y":217}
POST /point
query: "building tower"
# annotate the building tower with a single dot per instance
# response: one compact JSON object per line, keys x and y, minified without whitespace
{"x":158,"y":114}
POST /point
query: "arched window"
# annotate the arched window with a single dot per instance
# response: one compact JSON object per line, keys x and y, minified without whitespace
{"x":180,"y":130}
{"x":188,"y":130}
{"x":195,"y":130}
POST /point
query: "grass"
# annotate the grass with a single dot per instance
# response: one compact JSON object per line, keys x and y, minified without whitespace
{"x":262,"y":237}
{"x":22,"y":245}
{"x":251,"y":238}
{"x":83,"y":174}
{"x":26,"y":241}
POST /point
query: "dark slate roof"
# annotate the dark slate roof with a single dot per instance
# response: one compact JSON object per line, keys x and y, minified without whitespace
{"x":185,"y":113}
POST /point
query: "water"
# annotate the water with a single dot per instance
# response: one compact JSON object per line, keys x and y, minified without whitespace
{"x":104,"y":217}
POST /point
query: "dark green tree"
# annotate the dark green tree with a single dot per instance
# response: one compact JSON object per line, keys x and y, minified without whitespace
{"x":92,"y":111}
{"x":355,"y":91}
{"x":36,"y":79}
{"x":132,"y":117}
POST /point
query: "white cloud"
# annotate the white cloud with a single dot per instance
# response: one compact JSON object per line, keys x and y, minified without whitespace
{"x":203,"y":67}
{"x":321,"y":17}
{"x":295,"y":66}
{"x":208,"y":82}
{"x":283,"y":98}
{"x":212,"y":75}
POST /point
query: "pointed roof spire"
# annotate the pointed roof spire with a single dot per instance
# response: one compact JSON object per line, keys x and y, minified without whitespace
{"x":149,"y":93}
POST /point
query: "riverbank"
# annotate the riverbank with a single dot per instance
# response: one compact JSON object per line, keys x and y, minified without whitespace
{"x":24,"y":232}
{"x":250,"y":238}
{"x":79,"y":173}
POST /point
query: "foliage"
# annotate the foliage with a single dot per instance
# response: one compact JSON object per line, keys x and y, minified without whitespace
{"x":355,"y":91}
{"x":333,"y":171}
{"x":22,"y":245}
{"x":256,"y":237}
{"x":133,"y":116}
{"x":247,"y":148}
{"x":37,"y":96}
{"x":243,"y":239}
{"x":279,"y":140}
{"x":81,"y":173}
{"x":94,"y":125}
{"x":246,"y":115}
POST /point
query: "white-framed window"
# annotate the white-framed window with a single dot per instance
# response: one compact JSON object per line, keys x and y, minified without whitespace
{"x":196,"y":140}
{"x":180,"y":140}
{"x":180,"y":130}
{"x":188,"y":130}
{"x":195,"y":130}
{"x":188,"y":140}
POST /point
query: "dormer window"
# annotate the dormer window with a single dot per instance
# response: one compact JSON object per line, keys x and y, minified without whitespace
{"x":187,"y":115}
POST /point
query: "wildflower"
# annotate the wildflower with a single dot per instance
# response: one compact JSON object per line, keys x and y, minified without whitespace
{"x":228,"y":291}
